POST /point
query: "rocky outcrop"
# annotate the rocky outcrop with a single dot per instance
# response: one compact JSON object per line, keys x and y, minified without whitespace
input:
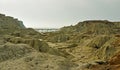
{"x":40,"y":46}
{"x":112,"y":64}
{"x":34,"y":43}
{"x":99,"y":41}
{"x":8,"y":22}
{"x":13,"y":51}
{"x":26,"y":33}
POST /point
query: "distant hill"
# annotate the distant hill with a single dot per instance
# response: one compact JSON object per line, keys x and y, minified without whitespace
{"x":94,"y":27}
{"x":85,"y":28}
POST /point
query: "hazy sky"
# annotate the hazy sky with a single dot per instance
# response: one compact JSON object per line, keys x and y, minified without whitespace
{"x":57,"y":13}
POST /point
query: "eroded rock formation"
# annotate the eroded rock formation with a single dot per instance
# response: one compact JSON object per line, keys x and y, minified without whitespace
{"x":88,"y":45}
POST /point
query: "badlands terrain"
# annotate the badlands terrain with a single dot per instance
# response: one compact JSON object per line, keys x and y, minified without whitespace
{"x":88,"y":45}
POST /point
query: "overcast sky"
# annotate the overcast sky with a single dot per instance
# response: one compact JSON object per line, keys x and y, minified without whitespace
{"x":58,"y":13}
